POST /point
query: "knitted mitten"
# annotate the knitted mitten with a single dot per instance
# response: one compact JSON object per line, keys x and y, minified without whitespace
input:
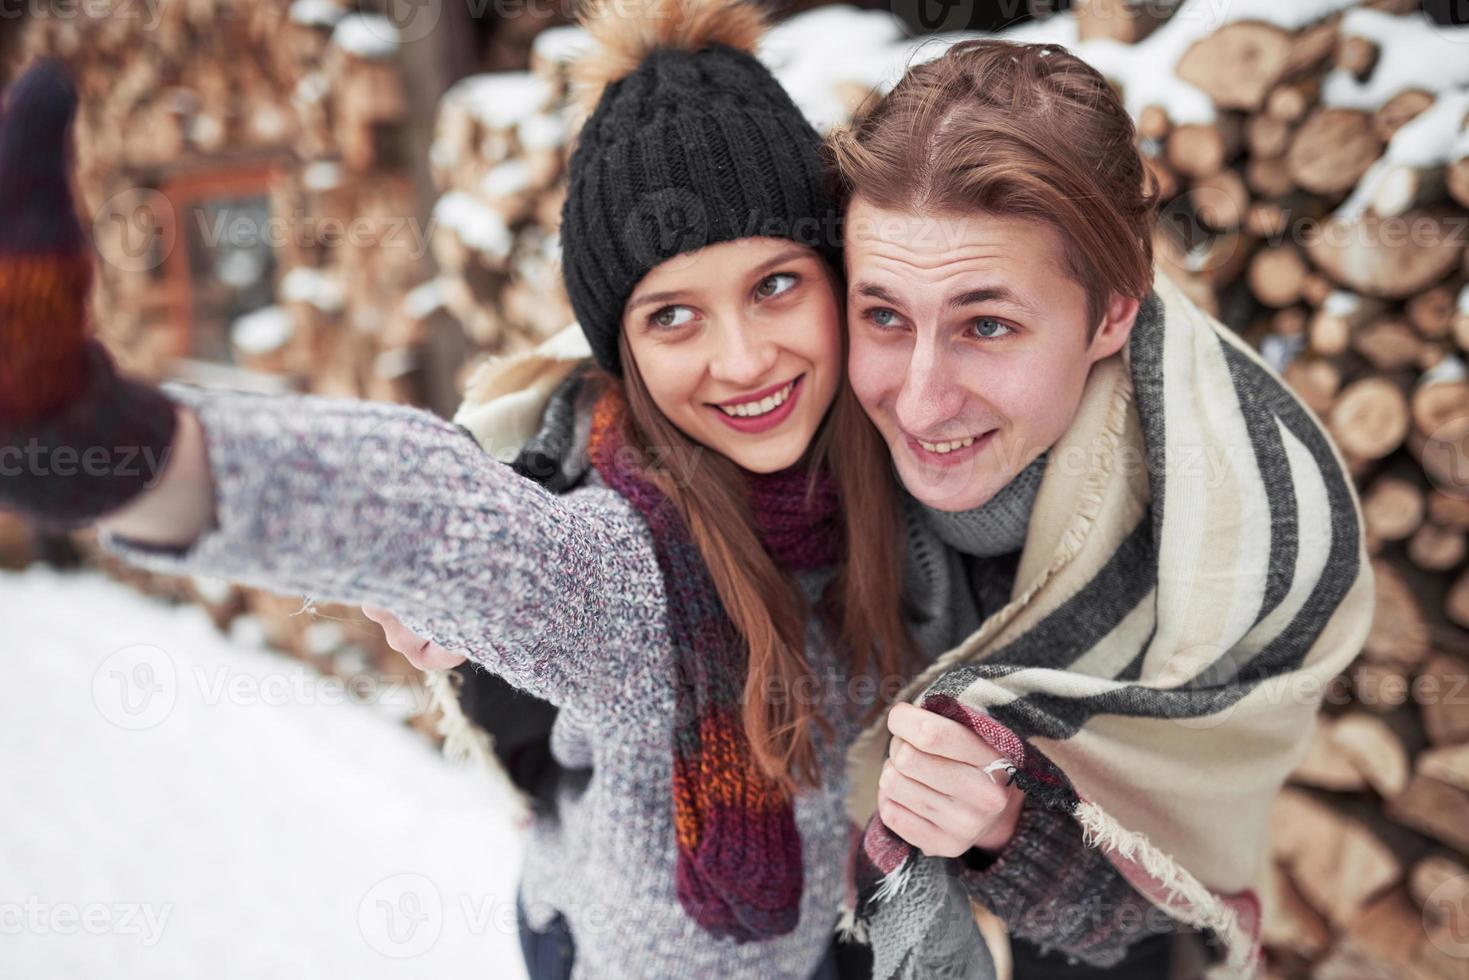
{"x":76,"y":440}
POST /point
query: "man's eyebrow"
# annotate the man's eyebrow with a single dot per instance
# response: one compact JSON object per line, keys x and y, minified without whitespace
{"x":988,"y":294}
{"x":874,"y":291}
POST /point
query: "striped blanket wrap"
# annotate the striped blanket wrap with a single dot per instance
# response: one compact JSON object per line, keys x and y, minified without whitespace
{"x":1194,"y":576}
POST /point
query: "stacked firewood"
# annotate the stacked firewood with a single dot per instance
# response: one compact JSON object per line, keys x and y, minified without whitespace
{"x":307,"y":100}
{"x":310,"y":96}
{"x":498,"y":159}
{"x":1315,"y":170}
{"x":1324,"y":211}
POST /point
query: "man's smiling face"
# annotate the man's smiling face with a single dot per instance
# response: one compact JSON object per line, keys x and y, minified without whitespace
{"x":970,"y":344}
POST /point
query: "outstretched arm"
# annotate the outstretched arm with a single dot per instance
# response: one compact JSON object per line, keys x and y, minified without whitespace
{"x":348,"y":501}
{"x":367,"y":503}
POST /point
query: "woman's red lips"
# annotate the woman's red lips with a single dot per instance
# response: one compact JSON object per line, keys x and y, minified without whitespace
{"x":756,"y":396}
{"x":762,"y":423}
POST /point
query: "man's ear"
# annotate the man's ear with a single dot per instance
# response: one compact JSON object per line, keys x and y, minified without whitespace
{"x":1116,"y":326}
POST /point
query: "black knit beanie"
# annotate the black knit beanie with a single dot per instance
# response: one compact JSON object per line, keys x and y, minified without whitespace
{"x":690,"y":149}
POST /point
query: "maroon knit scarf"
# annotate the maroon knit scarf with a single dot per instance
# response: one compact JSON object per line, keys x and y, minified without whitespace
{"x":739,"y":853}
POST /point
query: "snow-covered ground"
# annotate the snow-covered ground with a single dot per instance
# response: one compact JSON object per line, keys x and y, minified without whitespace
{"x":176,"y":803}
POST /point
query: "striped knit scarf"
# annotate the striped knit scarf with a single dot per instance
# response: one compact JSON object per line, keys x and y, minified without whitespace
{"x":1194,"y":575}
{"x":739,"y":853}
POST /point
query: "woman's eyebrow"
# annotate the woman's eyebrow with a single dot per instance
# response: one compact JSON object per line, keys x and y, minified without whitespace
{"x":656,"y":298}
{"x":790,"y":255}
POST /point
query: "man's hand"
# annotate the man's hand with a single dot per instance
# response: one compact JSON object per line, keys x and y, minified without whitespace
{"x":421,"y":653}
{"x":934,"y":792}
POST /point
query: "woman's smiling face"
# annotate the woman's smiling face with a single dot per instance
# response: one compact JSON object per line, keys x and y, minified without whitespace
{"x":740,"y":346}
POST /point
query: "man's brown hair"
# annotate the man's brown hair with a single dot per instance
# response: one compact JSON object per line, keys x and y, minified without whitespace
{"x":1017,"y":130}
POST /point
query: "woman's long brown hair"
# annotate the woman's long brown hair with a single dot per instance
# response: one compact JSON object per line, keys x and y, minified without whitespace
{"x":765,"y":605}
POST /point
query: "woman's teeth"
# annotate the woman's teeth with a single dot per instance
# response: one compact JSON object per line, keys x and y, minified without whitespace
{"x":946,"y":447}
{"x":765,"y":405}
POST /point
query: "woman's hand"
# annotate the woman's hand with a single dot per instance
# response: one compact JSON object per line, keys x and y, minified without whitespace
{"x":421,"y":653}
{"x":934,"y":792}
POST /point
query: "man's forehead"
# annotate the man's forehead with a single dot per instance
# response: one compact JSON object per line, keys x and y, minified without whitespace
{"x":949,"y":237}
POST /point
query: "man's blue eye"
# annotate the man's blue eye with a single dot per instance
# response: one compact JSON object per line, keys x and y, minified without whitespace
{"x":882,"y":317}
{"x":989,"y":328}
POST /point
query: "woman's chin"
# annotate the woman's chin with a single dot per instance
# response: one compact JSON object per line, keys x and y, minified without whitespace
{"x":767,"y":455}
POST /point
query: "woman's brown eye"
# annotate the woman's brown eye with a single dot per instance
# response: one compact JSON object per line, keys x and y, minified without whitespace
{"x":670,"y":316}
{"x":775,"y":285}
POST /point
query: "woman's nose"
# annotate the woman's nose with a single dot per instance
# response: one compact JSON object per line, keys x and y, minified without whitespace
{"x":742,"y":357}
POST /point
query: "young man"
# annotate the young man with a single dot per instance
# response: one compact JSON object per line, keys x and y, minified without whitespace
{"x":1142,"y":553}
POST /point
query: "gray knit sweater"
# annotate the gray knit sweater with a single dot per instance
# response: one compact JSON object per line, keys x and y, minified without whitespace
{"x":361,"y":502}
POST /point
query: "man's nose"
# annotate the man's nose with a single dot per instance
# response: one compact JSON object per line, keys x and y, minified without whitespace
{"x":931,"y":394}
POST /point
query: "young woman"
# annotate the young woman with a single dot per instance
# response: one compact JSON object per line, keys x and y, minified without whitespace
{"x":700,"y":612}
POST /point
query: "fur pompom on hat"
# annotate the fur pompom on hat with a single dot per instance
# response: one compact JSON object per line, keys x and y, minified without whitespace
{"x":691,"y":142}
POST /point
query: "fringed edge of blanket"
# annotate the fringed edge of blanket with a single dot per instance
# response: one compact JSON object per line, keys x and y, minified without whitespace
{"x":1183,"y":896}
{"x":1178,"y":893}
